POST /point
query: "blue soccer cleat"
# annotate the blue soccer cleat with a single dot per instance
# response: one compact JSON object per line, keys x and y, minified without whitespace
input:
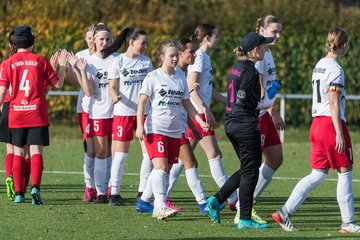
{"x":245,"y":224}
{"x":19,"y":199}
{"x":142,"y":206}
{"x":214,"y":209}
{"x":36,"y":197}
{"x":203,"y":209}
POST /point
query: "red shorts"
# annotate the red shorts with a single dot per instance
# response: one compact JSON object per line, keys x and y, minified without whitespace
{"x":160,"y":146}
{"x":101,"y":127}
{"x":184,"y":139}
{"x":197,"y":125}
{"x":85,"y":124}
{"x":123,"y":127}
{"x":79,"y":117}
{"x":323,"y":142}
{"x":269,"y":134}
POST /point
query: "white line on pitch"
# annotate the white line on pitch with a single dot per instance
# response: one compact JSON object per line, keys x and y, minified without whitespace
{"x":204,"y":176}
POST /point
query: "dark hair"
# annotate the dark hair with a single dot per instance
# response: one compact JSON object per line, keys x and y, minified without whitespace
{"x":266,"y":21}
{"x":201,"y":32}
{"x":181,"y":44}
{"x":124,"y":37}
{"x":98,"y":28}
{"x":12,"y":45}
{"x":161,"y":50}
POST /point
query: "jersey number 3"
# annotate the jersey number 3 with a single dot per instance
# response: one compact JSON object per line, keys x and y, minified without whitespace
{"x":25,"y":83}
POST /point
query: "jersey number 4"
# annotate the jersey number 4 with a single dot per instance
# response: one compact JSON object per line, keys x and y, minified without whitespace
{"x":25,"y":83}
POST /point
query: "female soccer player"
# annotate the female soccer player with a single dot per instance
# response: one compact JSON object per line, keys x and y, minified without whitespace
{"x":329,"y":137}
{"x":241,"y":127}
{"x":269,"y":119}
{"x":187,"y":157}
{"x":201,"y":72}
{"x":167,"y":91}
{"x":95,"y":85}
{"x":126,"y":76}
{"x":29,"y":75}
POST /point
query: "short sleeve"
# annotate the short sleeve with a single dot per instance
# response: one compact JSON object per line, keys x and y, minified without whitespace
{"x":260,"y":66}
{"x":148,"y":85}
{"x":4,"y":80}
{"x":114,"y":69}
{"x":198,"y":64}
{"x":336,"y":80}
{"x":49,"y":74}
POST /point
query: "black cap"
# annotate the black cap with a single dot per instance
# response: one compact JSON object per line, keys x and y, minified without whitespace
{"x":24,"y":37}
{"x":254,"y":39}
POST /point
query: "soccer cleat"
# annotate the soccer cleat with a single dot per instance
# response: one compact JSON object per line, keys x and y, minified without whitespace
{"x":19,"y":199}
{"x":116,"y":200}
{"x":244,"y":224}
{"x":10,"y":188}
{"x":237,"y":217}
{"x":101,"y":199}
{"x":256,"y":217}
{"x":164,"y":213}
{"x":349,"y":227}
{"x":138,"y":196}
{"x":284,"y":220}
{"x":231,"y":206}
{"x":88,"y":195}
{"x":214,"y":209}
{"x":142,"y":206}
{"x":203,"y":209}
{"x":36,"y":197}
{"x":169,"y":204}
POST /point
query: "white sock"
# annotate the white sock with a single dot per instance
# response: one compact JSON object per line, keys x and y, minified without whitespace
{"x":100,"y":175}
{"x":195,"y":185}
{"x":89,"y":171}
{"x":303,"y":188}
{"x":174,"y":175}
{"x":345,"y":197}
{"x":218,"y":174}
{"x":148,"y":191}
{"x":159,"y":188}
{"x":108,"y":169}
{"x":117,"y":169}
{"x":146,"y":167}
{"x":265,"y":176}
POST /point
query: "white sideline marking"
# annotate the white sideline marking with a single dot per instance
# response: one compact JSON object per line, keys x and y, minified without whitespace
{"x":204,"y":176}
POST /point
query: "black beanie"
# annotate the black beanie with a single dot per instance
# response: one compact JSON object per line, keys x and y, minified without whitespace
{"x":24,"y":37}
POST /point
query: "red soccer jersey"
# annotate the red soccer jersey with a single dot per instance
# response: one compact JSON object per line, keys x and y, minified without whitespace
{"x":7,"y":96}
{"x":28,"y":75}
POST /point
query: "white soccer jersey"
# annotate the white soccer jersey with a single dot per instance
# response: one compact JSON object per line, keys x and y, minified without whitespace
{"x":327,"y":76}
{"x":267,"y":69}
{"x":131,"y":73}
{"x":100,"y":106}
{"x":82,"y":54}
{"x":166,"y":94}
{"x":202,"y":65}
{"x":184,"y":114}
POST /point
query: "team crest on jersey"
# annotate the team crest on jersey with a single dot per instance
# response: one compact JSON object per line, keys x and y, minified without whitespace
{"x":271,"y":70}
{"x":241,"y":94}
{"x":125,"y":72}
{"x":162,"y":92}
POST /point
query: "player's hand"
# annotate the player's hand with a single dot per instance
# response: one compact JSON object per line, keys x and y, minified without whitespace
{"x":210,"y":119}
{"x":116,"y":99}
{"x":54,"y":60}
{"x":340,"y":143}
{"x":140,"y":133}
{"x":278,"y":121}
{"x":205,"y":127}
{"x":73,"y":59}
{"x":196,"y":133}
{"x":63,"y":58}
{"x":81,"y":64}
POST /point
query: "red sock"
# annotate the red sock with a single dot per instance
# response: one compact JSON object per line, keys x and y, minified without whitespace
{"x":27,"y":172}
{"x":37,"y":167}
{"x":18,"y":173}
{"x":8,"y":164}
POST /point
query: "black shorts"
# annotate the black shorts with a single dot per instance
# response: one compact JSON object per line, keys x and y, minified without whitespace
{"x":30,"y":136}
{"x":5,"y":133}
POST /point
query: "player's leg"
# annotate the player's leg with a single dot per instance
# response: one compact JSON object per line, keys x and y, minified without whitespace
{"x":100,"y":167}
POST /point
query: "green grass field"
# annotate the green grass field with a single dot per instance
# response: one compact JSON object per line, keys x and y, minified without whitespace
{"x":65,"y":217}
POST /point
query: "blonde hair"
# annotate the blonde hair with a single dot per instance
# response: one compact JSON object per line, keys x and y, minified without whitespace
{"x":336,"y":38}
{"x":161,"y":50}
{"x":201,"y":31}
{"x":100,"y":27}
{"x":241,"y":54}
{"x":266,"y":21}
